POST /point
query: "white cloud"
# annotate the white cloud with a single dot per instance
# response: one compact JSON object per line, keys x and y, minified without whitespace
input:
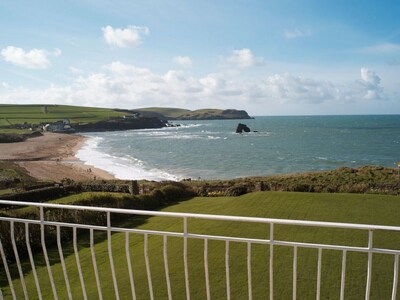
{"x":296,"y":33}
{"x":244,"y":58}
{"x":5,"y":85}
{"x":183,"y":61}
{"x":124,"y":37}
{"x":370,"y":83}
{"x":127,"y":86}
{"x":32,"y":59}
{"x":289,"y":88}
{"x":385,"y":48}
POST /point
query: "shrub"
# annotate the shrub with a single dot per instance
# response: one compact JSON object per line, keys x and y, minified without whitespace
{"x":173,"y":193}
{"x":236,"y":190}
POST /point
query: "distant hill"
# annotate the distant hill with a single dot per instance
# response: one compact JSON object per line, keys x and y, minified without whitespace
{"x":185,"y":114}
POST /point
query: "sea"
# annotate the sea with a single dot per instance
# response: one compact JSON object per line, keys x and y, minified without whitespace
{"x":276,"y":145}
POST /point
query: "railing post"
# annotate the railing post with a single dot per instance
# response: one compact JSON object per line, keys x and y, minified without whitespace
{"x":185,"y":258}
{"x":294,"y":272}
{"x":94,"y":262}
{"x":17,"y":260}
{"x":369,"y":270}
{"x":46,"y":257}
{"x":249,"y":279}
{"x":28,"y":246}
{"x":206,"y":269}
{"x":395,"y":276}
{"x":148,"y":270}
{"x":60,"y":252}
{"x":129,"y":265}
{"x":78,"y":263}
{"x":5,"y":264}
{"x":166,"y":268}
{"x":271,"y":261}
{"x":111,"y":256}
{"x":227,"y":273}
{"x":343,"y":277}
{"x":318,"y":297}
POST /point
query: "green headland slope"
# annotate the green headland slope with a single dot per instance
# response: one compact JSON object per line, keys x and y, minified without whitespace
{"x":200,"y":114}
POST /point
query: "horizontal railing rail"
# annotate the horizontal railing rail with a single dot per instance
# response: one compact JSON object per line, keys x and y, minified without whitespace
{"x":184,"y":234}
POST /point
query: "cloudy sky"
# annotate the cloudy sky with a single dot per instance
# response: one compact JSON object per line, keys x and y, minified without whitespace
{"x":283,"y":57}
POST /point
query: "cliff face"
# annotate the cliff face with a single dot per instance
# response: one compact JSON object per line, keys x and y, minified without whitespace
{"x":120,"y":124}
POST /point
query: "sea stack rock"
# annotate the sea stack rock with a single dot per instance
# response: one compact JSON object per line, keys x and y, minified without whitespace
{"x":242,"y":127}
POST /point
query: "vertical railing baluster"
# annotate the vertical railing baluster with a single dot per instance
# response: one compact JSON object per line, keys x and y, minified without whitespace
{"x":17,"y":260}
{"x":129,"y":265}
{"x":369,"y":270}
{"x":206,"y":272}
{"x":46,"y":257}
{"x":294,"y":272}
{"x":5,"y":264}
{"x":185,"y":258}
{"x":318,"y":297}
{"x":228,"y":281}
{"x":110,"y":256}
{"x":60,"y":252}
{"x":35,"y":277}
{"x":96,"y":273}
{"x":395,"y":276}
{"x":165,"y":253}
{"x":249,"y":282}
{"x":78,"y":263}
{"x":343,"y":277}
{"x":147,"y":262}
{"x":271,"y":261}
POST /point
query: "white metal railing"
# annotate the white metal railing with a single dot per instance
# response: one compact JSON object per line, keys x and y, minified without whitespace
{"x":185,"y":235}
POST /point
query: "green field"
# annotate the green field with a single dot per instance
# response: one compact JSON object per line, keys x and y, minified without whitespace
{"x":165,"y":111}
{"x":35,"y":114}
{"x":185,"y":114}
{"x":368,"y":209}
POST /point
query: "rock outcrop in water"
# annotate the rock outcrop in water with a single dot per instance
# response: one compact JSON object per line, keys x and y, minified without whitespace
{"x":242,"y":127}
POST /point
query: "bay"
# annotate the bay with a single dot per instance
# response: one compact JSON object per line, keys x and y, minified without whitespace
{"x":212,"y":149}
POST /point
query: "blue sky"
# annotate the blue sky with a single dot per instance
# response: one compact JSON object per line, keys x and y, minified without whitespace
{"x":268,"y":57}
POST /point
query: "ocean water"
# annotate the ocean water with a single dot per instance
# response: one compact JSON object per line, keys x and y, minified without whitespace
{"x":212,"y":149}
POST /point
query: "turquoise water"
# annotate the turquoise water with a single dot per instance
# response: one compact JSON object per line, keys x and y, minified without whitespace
{"x":211,"y":149}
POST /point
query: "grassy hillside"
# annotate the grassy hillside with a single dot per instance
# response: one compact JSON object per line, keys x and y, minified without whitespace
{"x":164,"y":111}
{"x":35,"y":114}
{"x":372,"y":209}
{"x":200,"y":114}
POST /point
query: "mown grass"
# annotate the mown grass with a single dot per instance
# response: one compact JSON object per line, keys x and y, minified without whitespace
{"x":369,"y":209}
{"x":35,"y":114}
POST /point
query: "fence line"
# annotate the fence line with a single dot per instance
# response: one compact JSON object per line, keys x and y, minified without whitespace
{"x":108,"y":228}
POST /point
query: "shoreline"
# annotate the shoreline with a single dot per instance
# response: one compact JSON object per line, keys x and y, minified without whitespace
{"x":52,"y":157}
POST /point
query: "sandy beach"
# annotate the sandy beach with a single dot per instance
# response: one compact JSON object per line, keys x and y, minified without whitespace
{"x":51,"y":157}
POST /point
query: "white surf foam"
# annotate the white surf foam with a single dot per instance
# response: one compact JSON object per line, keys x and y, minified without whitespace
{"x":127,"y":167}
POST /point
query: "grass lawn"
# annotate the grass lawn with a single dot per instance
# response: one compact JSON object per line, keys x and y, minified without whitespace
{"x":369,"y":209}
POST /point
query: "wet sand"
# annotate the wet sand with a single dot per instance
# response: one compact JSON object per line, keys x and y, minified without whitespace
{"x":52,"y":157}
